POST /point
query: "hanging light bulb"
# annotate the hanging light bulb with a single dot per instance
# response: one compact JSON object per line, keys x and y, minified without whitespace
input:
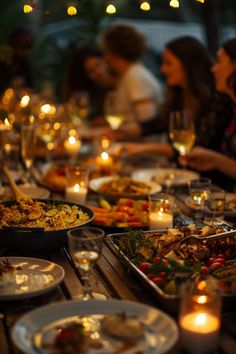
{"x":71,"y":10}
{"x":30,"y":6}
{"x":201,"y":1}
{"x":110,"y":9}
{"x":145,"y":5}
{"x":27,"y":8}
{"x":174,"y":3}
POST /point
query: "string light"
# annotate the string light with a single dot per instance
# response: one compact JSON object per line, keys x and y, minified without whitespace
{"x":27,"y":8}
{"x":71,"y":10}
{"x":110,"y":9}
{"x":174,"y":3}
{"x":145,"y":6}
{"x":201,"y":1}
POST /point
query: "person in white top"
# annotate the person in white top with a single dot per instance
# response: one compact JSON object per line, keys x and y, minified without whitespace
{"x":138,"y":92}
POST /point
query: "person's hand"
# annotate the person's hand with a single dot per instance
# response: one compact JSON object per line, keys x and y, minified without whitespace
{"x":200,"y":159}
{"x":128,"y":149}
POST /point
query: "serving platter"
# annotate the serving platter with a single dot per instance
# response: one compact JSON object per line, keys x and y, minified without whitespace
{"x":153,"y":262}
{"x":33,"y":332}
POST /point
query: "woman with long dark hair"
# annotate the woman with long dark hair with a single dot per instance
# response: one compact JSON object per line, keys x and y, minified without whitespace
{"x":224,"y":72}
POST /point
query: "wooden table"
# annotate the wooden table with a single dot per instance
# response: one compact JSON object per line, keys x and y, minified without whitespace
{"x":110,"y":277}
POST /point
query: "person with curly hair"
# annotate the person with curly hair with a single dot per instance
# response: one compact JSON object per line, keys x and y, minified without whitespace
{"x":138,"y":92}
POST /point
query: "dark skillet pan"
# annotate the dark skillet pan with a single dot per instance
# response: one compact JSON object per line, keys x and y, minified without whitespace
{"x":35,"y":240}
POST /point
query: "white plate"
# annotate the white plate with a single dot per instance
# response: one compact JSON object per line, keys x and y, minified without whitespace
{"x":36,"y":277}
{"x":159,"y":175}
{"x":32,"y":191}
{"x":96,"y":183}
{"x":230,"y":212}
{"x":40,"y":326}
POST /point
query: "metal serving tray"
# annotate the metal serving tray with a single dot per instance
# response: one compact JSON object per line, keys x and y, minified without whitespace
{"x":170,"y":302}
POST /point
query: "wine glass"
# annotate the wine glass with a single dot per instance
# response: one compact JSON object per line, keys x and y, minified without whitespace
{"x":200,"y":191}
{"x":113,"y":114}
{"x":182,"y":131}
{"x":85,"y":246}
{"x":28,"y":144}
{"x":79,"y":107}
{"x":49,"y":131}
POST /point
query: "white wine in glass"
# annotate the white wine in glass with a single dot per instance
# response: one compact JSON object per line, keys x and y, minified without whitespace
{"x":28,"y":143}
{"x":85,"y":246}
{"x":113,"y":115}
{"x":182,"y":131}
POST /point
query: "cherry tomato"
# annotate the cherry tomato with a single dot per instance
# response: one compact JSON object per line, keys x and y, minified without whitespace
{"x":144,"y":266}
{"x":162,"y":274}
{"x":156,"y":259}
{"x":220,"y":260}
{"x":157,"y":280}
{"x":216,"y":265}
{"x":204,"y":270}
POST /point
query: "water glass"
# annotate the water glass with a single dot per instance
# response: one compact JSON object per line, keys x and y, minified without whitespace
{"x":216,"y":204}
{"x":199,"y":190}
{"x":85,"y":246}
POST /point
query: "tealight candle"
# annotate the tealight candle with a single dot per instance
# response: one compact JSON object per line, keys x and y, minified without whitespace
{"x":199,"y":320}
{"x":160,"y":211}
{"x":200,"y":332}
{"x":76,"y":194}
{"x":72,"y":145}
{"x":76,"y":184}
{"x":160,"y":221}
{"x":104,"y":160}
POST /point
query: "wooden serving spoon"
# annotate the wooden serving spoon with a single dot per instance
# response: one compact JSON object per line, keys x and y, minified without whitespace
{"x":19,"y":195}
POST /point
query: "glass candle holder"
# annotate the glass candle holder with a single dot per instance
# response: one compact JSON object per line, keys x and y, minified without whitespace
{"x":160,"y":211}
{"x":199,"y":322}
{"x":76,"y":184}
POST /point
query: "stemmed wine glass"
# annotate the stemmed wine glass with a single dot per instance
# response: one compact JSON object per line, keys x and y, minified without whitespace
{"x":85,"y":246}
{"x":79,"y":107}
{"x":113,"y":115}
{"x":28,"y":144}
{"x":182,"y":131}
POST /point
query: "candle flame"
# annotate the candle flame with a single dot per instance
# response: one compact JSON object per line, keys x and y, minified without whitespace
{"x":48,"y":109}
{"x":25,"y":101}
{"x":104,"y":155}
{"x":76,"y":187}
{"x":200,"y":319}
{"x":72,"y":140}
{"x":202,"y":299}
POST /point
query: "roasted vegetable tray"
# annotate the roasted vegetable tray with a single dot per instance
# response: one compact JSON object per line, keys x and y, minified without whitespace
{"x":162,"y":270}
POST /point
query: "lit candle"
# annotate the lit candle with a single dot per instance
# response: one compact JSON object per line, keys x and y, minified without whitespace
{"x":72,"y":145}
{"x":159,"y":220}
{"x":199,"y":332}
{"x":76,"y":193}
{"x":104,"y":160}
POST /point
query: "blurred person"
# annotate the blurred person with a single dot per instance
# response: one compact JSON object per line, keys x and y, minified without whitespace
{"x":88,"y":72}
{"x":190,"y":86}
{"x":224,"y":160}
{"x":138,"y":92}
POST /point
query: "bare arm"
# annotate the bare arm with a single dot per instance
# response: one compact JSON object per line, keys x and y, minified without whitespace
{"x":205,"y":160}
{"x":152,"y":148}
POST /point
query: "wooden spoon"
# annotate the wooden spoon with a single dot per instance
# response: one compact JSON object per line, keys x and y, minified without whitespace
{"x":19,"y":195}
